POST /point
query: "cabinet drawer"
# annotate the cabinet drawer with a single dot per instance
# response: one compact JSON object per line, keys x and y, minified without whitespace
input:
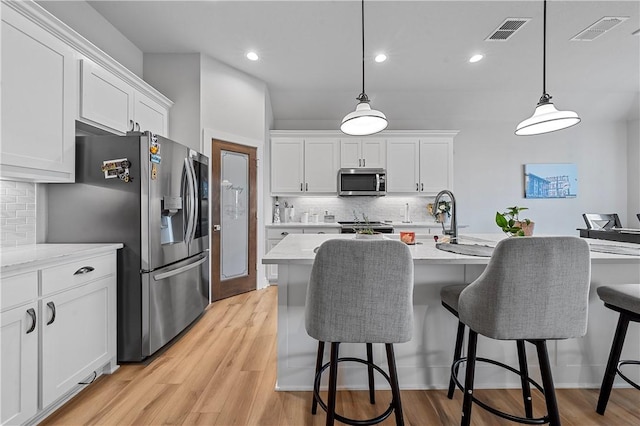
{"x":77,"y":272}
{"x":282,"y":232}
{"x":18,"y":289}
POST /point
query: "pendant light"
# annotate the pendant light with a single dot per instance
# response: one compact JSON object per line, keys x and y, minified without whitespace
{"x":364,"y":120}
{"x":546,"y":117}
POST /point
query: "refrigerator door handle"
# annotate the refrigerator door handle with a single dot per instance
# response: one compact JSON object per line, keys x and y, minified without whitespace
{"x":194,"y":204}
{"x":189,"y":202}
{"x":180,"y":270}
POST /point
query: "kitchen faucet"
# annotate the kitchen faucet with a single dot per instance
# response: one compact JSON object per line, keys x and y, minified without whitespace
{"x":453,"y":228}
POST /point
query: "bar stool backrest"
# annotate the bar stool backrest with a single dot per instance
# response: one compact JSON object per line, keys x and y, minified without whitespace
{"x":361,"y":291}
{"x":532,"y":288}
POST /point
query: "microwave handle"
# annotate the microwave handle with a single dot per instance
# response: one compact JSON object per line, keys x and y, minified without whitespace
{"x":377,"y":182}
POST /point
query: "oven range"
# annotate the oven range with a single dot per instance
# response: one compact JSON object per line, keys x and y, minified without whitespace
{"x":352,"y":227}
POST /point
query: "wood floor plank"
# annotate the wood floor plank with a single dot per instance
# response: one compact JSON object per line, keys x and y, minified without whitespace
{"x":222,"y":371}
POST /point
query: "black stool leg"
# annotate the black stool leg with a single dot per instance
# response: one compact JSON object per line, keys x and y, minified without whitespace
{"x":547,"y":383}
{"x":372,"y":391}
{"x":333,"y":380}
{"x":395,"y":389}
{"x":524,"y":375}
{"x":468,"y":380}
{"x":314,"y":404}
{"x":612,"y":364}
{"x":457,"y":354}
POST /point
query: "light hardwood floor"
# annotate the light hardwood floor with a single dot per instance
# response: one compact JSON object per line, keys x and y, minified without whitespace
{"x":222,"y":372}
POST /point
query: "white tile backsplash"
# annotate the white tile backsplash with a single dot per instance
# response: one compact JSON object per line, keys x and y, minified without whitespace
{"x":17,"y":213}
{"x":376,"y":208}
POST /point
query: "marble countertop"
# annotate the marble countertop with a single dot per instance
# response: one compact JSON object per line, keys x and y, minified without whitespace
{"x":37,"y":255}
{"x":299,"y":249}
{"x":395,"y":224}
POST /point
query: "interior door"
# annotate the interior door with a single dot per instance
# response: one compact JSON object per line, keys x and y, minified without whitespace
{"x":234,"y":218}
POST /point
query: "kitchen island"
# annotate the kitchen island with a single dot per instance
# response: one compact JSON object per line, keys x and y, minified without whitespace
{"x":424,"y":362}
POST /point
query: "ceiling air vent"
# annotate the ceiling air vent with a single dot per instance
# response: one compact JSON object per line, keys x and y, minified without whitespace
{"x":508,"y":28}
{"x":597,"y":29}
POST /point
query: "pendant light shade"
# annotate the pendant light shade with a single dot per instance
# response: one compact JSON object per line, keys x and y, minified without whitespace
{"x":364,"y":120}
{"x":546,"y":118}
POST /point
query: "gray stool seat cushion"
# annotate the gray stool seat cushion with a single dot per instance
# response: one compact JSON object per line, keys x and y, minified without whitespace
{"x":625,"y":296}
{"x":361,"y":291}
{"x":450,"y":295}
{"x":532,"y":288}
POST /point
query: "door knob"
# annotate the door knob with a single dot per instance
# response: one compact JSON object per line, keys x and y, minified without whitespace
{"x":216,"y":227}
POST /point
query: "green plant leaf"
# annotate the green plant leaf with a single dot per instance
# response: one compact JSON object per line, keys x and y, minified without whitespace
{"x":501,"y":221}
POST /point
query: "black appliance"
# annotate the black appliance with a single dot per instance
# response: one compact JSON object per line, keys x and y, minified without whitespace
{"x":352,"y":227}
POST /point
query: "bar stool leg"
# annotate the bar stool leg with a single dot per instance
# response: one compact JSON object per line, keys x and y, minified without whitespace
{"x":333,"y":380}
{"x":547,"y":383}
{"x":372,"y":391}
{"x":524,"y":375}
{"x":612,"y":364}
{"x":314,"y":404}
{"x":457,"y":354}
{"x":395,"y":388}
{"x":468,"y":380}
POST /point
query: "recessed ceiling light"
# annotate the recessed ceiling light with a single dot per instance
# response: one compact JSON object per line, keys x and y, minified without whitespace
{"x":252,"y":56}
{"x":381,"y":57}
{"x":476,"y":58}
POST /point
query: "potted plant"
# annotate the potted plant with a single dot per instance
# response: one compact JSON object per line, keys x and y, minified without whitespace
{"x":511,"y":223}
{"x":441,"y":212}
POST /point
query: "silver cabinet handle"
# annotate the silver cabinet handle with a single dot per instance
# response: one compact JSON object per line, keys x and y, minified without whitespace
{"x":364,"y":162}
{"x":84,"y":270}
{"x":306,"y":186}
{"x":359,"y":162}
{"x":284,"y":233}
{"x":301,"y":186}
{"x":32,"y":314}
{"x":417,"y":187}
{"x":132,"y":124}
{"x":52,"y":306}
{"x":422,"y":187}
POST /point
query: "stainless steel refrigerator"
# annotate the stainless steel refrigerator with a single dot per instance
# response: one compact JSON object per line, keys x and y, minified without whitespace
{"x":151,"y":194}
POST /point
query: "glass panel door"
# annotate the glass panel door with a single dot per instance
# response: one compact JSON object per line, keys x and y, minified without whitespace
{"x":234,"y":202}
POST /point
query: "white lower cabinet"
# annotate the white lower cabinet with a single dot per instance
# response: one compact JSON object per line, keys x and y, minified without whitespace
{"x":19,"y":360}
{"x":58,"y":328}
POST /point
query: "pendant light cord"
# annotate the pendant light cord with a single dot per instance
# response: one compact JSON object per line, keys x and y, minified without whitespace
{"x":363,"y":46}
{"x":544,"y":49}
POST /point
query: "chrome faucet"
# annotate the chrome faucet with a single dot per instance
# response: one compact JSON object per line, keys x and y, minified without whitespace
{"x":453,"y":228}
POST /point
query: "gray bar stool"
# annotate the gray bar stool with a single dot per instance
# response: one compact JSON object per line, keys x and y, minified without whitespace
{"x":624,"y":298}
{"x":360,"y":291}
{"x":534,"y":289}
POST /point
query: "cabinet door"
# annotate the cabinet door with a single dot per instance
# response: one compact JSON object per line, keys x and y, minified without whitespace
{"x":350,"y":155}
{"x":105,"y":99}
{"x":321,"y":165}
{"x":287,"y":165}
{"x":436,"y":165}
{"x":77,"y":330}
{"x":39,"y":87}
{"x":19,"y":355}
{"x":374,"y":153}
{"x":150,"y":115}
{"x":403,"y":166}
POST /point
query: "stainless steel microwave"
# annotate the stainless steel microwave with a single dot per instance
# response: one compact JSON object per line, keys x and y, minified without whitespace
{"x":362,"y":182}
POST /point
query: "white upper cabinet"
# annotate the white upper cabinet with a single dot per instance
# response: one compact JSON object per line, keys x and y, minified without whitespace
{"x":39,"y":87}
{"x":106,"y":100}
{"x":420,"y":165}
{"x":302,"y":166}
{"x":363,"y":153}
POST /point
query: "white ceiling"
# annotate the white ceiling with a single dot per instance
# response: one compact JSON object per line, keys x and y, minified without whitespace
{"x":311,"y":54}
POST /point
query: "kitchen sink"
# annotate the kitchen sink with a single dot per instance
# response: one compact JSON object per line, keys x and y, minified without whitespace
{"x":466,"y":249}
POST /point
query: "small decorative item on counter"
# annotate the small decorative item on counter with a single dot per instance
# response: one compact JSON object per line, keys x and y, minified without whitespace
{"x":406,"y":214}
{"x":442,"y":212}
{"x":408,"y":237}
{"x":512,"y":225}
{"x":276,"y":211}
{"x":329,"y":218}
{"x":363,"y":227}
{"x":304,"y":218}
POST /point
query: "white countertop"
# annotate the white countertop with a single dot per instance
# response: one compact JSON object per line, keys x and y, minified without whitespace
{"x":395,"y":224}
{"x":298,"y":249}
{"x":36,"y":255}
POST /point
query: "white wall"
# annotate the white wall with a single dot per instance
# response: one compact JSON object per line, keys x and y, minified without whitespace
{"x":85,"y":20}
{"x":177,"y":76}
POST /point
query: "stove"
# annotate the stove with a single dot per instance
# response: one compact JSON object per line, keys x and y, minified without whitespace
{"x":352,"y":227}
